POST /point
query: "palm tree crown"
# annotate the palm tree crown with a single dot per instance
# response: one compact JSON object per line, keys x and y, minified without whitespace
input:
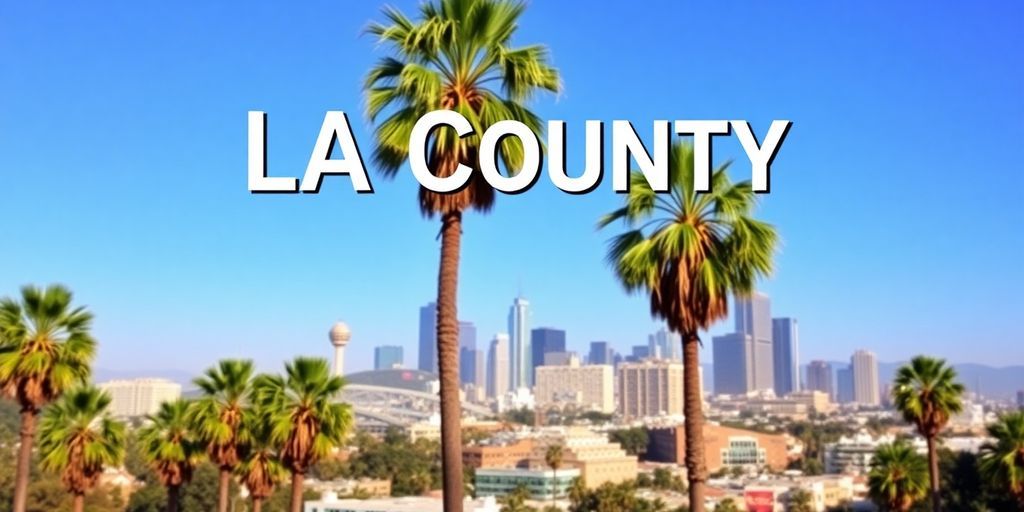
{"x":898,"y":477}
{"x":170,"y":445}
{"x":448,"y":59}
{"x":259,"y":468}
{"x":305,"y":420}
{"x":690,"y":250}
{"x":1002,"y":459}
{"x":45,"y":345}
{"x":217,"y":415}
{"x":927,"y":393}
{"x":79,"y":438}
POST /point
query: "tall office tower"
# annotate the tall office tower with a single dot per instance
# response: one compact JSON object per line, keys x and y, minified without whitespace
{"x":543,"y":341}
{"x":650,"y":388}
{"x":786,"y":355}
{"x":497,"y":366}
{"x":819,"y":377}
{"x":665,"y":344}
{"x":467,"y":352}
{"x":519,"y":344}
{"x":641,"y":352}
{"x":139,"y":397}
{"x":844,"y":385}
{"x":480,"y":376}
{"x":428,"y":338}
{"x":864,"y":366}
{"x":600,"y":353}
{"x":733,"y":361}
{"x":388,"y":356}
{"x":753,"y":317}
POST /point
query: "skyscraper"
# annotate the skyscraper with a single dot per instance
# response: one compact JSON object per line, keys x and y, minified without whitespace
{"x":753,"y":317}
{"x":733,"y":361}
{"x":387,"y":356}
{"x":665,"y":344}
{"x":543,"y":341}
{"x":519,"y":340}
{"x":785,"y":355}
{"x":864,"y":366}
{"x":497,"y":366}
{"x":650,"y":388}
{"x":844,"y":385}
{"x":599,"y":353}
{"x":467,"y":353}
{"x":428,"y":338}
{"x":819,"y":377}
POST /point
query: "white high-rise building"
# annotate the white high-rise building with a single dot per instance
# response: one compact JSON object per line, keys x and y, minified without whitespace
{"x":650,"y":388}
{"x":139,"y":397}
{"x":753,"y":315}
{"x":589,"y":387}
{"x":519,"y":341}
{"x":665,"y":344}
{"x":497,"y":366}
{"x":864,"y":366}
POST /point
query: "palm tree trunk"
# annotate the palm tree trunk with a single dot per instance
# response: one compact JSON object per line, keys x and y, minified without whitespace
{"x":223,"y":487}
{"x":933,"y":471}
{"x":696,"y":473}
{"x":448,"y":360}
{"x":257,"y":504}
{"x":28,"y":430}
{"x":297,"y":482}
{"x":78,"y":502}
{"x":172,"y":497}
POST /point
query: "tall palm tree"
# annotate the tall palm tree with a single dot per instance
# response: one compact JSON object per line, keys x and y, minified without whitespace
{"x":1002,"y":459}
{"x":927,"y":393}
{"x":456,"y":55}
{"x":898,"y":477}
{"x":217,"y":416}
{"x":171,"y":447}
{"x":78,"y":438}
{"x":259,"y":466}
{"x":305,"y":420}
{"x":45,"y":349}
{"x":689,"y":251}
{"x":553,"y":458}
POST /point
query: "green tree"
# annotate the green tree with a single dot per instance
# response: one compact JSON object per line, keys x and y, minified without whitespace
{"x":926,"y":392}
{"x":413,"y":468}
{"x":800,"y":501}
{"x":553,"y":458}
{"x":203,"y":491}
{"x":45,"y":349}
{"x":634,"y":439}
{"x":217,"y":416}
{"x":898,"y":477}
{"x":305,"y":421}
{"x":1002,"y":459}
{"x":689,"y":251}
{"x":78,"y":438}
{"x":515,"y":501}
{"x":726,"y":505}
{"x":448,"y":58}
{"x":259,"y":468}
{"x":170,"y":445}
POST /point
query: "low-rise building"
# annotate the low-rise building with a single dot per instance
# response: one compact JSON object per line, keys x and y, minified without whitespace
{"x":724,"y":447}
{"x":498,"y":455}
{"x":853,"y":454}
{"x":816,"y":401}
{"x":543,"y":484}
{"x":329,"y":502}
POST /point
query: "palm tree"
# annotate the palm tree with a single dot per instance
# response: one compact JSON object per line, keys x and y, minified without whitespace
{"x":1002,"y":459}
{"x":689,"y":251}
{"x":171,"y":447}
{"x":898,"y":477}
{"x":259,"y":467}
{"x":800,"y":501}
{"x":305,"y":421}
{"x":553,"y":458}
{"x":216,"y":417}
{"x":457,"y":56}
{"x":927,"y":393}
{"x":78,"y":438}
{"x":45,"y":349}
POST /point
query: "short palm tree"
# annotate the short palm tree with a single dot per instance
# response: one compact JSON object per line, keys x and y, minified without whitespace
{"x":78,"y":438}
{"x":171,"y":447}
{"x":898,"y":477}
{"x":45,"y":349}
{"x":217,"y":416}
{"x":1002,"y":459}
{"x":305,"y":420}
{"x":456,"y":55}
{"x":259,"y":467}
{"x":927,"y":393}
{"x":553,"y":458}
{"x":689,"y":251}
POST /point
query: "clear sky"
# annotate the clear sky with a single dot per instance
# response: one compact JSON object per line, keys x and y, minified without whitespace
{"x":898,"y":192}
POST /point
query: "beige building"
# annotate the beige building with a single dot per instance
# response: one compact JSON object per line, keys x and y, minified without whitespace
{"x":139,"y":397}
{"x":599,"y":460}
{"x":589,"y":387}
{"x":650,"y":388}
{"x":816,"y":401}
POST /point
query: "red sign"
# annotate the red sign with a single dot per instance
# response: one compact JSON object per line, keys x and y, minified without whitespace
{"x":759,"y":501}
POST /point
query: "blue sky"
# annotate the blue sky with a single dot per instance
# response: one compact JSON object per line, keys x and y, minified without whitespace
{"x":898,"y":192}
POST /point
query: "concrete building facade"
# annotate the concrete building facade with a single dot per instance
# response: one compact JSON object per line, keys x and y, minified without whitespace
{"x":139,"y":397}
{"x":650,"y":388}
{"x":590,"y":387}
